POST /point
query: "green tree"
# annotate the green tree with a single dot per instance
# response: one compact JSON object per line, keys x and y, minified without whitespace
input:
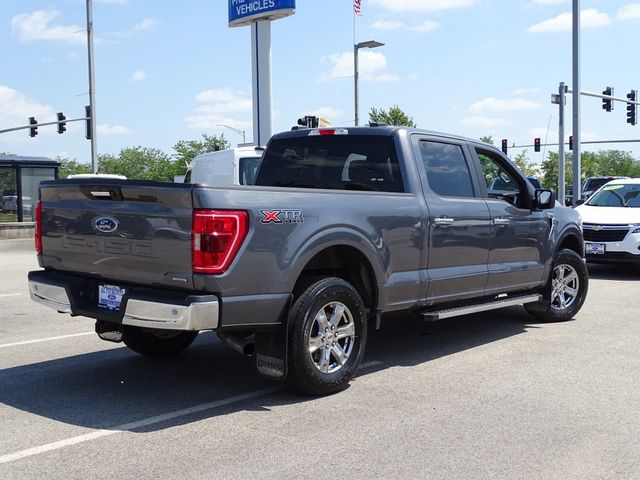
{"x":140,"y":163}
{"x":71,"y":167}
{"x":603,"y":163}
{"x":525,"y":165}
{"x":487,"y":139}
{"x":393,"y":116}
{"x":187,"y":150}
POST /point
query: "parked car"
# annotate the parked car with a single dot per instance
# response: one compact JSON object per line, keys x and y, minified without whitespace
{"x":236,"y":166}
{"x":342,"y":226}
{"x":591,"y":184}
{"x":611,"y":222}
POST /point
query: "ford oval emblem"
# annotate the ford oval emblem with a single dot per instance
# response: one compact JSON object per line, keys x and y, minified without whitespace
{"x":105,"y":224}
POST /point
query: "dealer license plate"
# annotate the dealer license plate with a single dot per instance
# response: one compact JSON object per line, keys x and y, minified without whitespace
{"x":110,"y":297}
{"x":594,"y":248}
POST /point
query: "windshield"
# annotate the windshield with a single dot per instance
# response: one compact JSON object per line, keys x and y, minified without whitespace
{"x":627,"y":195}
{"x":592,"y":184}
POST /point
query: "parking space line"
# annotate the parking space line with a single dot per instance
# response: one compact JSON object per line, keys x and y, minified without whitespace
{"x":48,"y":339}
{"x":11,"y":295}
{"x":87,"y":437}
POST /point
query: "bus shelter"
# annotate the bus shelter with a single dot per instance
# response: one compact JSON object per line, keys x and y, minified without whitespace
{"x":19,"y":180}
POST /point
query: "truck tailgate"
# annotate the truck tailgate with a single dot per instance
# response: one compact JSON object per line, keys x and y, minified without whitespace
{"x":127,"y":231}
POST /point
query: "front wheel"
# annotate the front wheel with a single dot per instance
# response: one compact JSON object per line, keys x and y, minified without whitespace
{"x":565,"y":291}
{"x":156,"y":342}
{"x":327,"y":337}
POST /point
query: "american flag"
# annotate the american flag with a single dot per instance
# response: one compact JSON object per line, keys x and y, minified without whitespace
{"x":357,"y":7}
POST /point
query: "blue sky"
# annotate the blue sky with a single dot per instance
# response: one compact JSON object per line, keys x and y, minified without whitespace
{"x":168,"y":71}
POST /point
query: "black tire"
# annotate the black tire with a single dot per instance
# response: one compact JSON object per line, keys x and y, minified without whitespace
{"x":553,"y":307}
{"x":156,"y":343}
{"x":329,"y":367}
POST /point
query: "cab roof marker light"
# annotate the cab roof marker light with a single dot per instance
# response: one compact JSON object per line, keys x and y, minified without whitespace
{"x":322,"y":132}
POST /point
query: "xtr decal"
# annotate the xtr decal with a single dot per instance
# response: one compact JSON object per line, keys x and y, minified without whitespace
{"x":282,"y":216}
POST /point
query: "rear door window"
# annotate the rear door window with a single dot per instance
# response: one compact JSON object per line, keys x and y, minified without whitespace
{"x":446,"y":168}
{"x":338,"y":162}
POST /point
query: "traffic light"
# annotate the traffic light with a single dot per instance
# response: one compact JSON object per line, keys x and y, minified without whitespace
{"x":536,"y":144}
{"x":571,"y":142}
{"x":607,"y":103}
{"x":62,"y":125}
{"x":632,"y":108}
{"x":33,"y":131}
{"x":505,"y":149}
{"x":87,"y":115}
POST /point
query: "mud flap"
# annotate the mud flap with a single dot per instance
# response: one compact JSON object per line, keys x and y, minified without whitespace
{"x":271,"y":352}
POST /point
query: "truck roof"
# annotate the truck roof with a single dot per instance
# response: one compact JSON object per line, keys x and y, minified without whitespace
{"x":381,"y":130}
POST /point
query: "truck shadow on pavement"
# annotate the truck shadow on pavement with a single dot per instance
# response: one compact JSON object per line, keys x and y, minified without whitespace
{"x":110,"y":388}
{"x":605,"y":271}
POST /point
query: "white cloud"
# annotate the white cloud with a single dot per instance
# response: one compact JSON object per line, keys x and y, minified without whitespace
{"x":219,"y":106}
{"x":413,"y":77}
{"x":422,"y":5}
{"x":426,"y":26}
{"x":550,"y":2}
{"x":387,"y":25}
{"x":542,"y":132}
{"x":106,"y":129}
{"x":484,"y":122}
{"x":35,"y":26}
{"x":142,"y":26}
{"x":629,"y":12}
{"x":371,"y":66}
{"x":330,"y":113}
{"x":492,"y":104}
{"x":589,"y":18}
{"x":16,"y":108}
{"x":138,"y":76}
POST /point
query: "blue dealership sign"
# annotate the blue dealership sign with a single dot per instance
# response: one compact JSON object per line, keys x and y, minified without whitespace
{"x":245,"y":12}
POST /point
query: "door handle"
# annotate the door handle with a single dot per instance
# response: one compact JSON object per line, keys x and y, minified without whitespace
{"x":443,"y":221}
{"x":501,"y":221}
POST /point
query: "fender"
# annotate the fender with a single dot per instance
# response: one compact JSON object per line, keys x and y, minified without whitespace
{"x":338,"y":236}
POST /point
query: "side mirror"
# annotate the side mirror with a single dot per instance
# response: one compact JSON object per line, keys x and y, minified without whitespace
{"x":580,"y":201}
{"x":544,"y":199}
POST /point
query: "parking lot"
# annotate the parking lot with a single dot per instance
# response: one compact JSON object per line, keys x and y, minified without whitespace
{"x":490,"y":395}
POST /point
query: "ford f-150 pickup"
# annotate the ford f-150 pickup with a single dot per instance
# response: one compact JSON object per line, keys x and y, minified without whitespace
{"x":342,"y":226}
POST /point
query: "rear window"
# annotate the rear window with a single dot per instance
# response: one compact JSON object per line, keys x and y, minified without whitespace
{"x":338,"y":162}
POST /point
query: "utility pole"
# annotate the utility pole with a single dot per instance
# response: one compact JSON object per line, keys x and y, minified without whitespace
{"x":92,"y":91}
{"x":561,"y":157}
{"x":577,"y":168}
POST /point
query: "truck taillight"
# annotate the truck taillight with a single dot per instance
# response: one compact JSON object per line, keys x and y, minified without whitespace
{"x":38,"y":227}
{"x":216,"y":239}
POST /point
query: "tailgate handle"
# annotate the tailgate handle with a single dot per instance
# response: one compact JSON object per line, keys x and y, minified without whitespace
{"x":102,"y":192}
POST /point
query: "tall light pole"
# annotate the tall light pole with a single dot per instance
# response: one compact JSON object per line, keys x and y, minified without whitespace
{"x":356,"y":74}
{"x":238,"y":131}
{"x":92,"y":91}
{"x":576,"y":158}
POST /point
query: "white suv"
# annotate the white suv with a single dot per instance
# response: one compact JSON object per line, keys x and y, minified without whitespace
{"x":611,"y":222}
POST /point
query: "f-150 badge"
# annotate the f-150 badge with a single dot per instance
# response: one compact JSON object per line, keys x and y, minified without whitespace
{"x":282,"y":216}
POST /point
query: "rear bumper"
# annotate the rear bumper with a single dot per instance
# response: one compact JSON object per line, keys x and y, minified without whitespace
{"x":141,"y":307}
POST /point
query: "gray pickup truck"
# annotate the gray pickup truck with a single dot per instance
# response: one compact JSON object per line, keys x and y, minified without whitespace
{"x":343,"y":226}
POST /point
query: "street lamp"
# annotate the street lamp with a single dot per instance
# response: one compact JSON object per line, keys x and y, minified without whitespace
{"x":356,"y":47}
{"x":239,"y":132}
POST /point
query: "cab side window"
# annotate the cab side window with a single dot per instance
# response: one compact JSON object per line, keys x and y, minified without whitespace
{"x":501,"y":183}
{"x":446,"y":168}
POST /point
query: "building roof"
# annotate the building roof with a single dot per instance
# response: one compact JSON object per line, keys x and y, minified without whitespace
{"x":23,"y":161}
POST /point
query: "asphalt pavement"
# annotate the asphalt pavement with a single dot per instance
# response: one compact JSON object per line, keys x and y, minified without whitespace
{"x":486,"y":396}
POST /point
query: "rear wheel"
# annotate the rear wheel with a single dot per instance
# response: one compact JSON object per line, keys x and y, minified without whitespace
{"x":156,"y":343}
{"x":327,"y":337}
{"x":565,"y":291}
